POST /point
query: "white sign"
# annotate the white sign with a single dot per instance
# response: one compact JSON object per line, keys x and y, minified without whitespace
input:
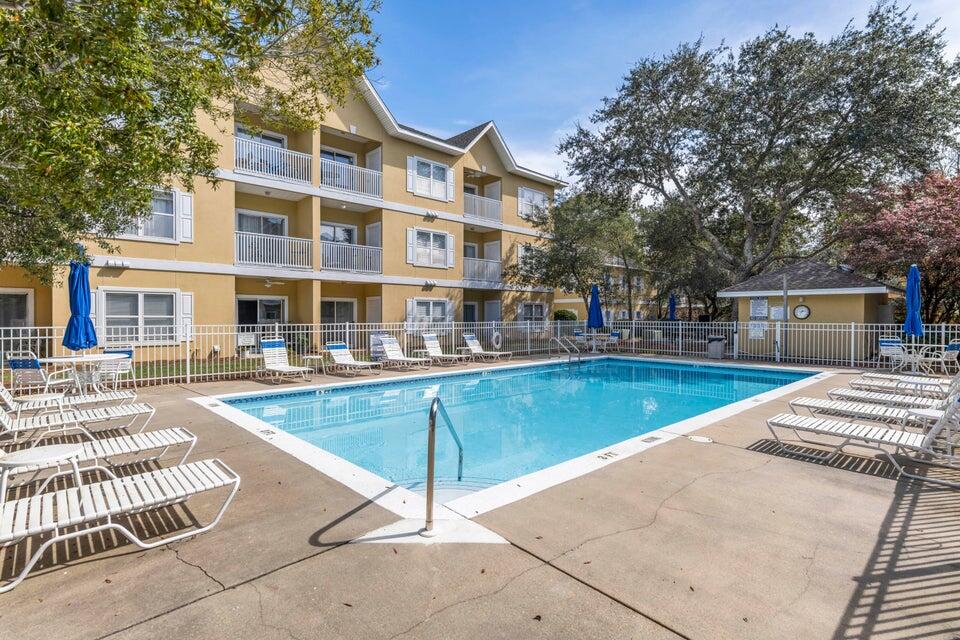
{"x":377,"y":352}
{"x":758,"y":308}
{"x":248,"y":339}
{"x":776,"y":313}
{"x":757,"y":330}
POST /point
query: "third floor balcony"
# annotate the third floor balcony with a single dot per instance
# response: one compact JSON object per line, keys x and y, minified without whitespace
{"x":271,"y":160}
{"x":351,"y":179}
{"x":482,"y":208}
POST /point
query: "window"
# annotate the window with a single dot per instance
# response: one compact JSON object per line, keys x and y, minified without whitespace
{"x":431,"y":179}
{"x":529,"y":201}
{"x":252,"y":311}
{"x":337,"y":233}
{"x":161,"y":223}
{"x":431,"y":311}
{"x":469,"y":250}
{"x":263,"y":137}
{"x":431,"y":249}
{"x":337,"y":311}
{"x":16,"y":308}
{"x":523,"y":250}
{"x":337,"y":156}
{"x":252,"y":222}
{"x":533,"y":312}
{"x":140,"y":317}
{"x":470,"y":188}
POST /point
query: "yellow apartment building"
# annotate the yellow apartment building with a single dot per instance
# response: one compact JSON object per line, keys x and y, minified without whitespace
{"x":361,"y":220}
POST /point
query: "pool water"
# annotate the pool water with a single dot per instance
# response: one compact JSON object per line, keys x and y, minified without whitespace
{"x":511,"y":421}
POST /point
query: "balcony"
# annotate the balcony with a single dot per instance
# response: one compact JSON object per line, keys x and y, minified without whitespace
{"x":482,"y":270}
{"x":270,"y":161}
{"x":351,"y":179}
{"x":357,"y":258}
{"x":479,"y":207}
{"x":264,"y":250}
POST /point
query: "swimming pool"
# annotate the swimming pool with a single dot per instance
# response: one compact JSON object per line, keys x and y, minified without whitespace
{"x":512,"y":421}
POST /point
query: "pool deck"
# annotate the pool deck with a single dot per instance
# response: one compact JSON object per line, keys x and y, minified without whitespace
{"x":729,"y":539}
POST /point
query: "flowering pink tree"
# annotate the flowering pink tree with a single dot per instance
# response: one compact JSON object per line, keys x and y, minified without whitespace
{"x":890,"y":228}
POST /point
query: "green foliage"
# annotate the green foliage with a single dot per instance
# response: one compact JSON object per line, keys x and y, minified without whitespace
{"x":756,"y":148}
{"x":564,"y":315}
{"x":103,"y":101}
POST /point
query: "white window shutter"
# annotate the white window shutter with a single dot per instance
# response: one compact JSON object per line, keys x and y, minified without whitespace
{"x":519,"y":311}
{"x":184,"y":209}
{"x":411,"y":311}
{"x":450,"y":251}
{"x":186,"y":315}
{"x":94,"y":306}
{"x":449,"y":308}
{"x":451,"y":185}
{"x":411,"y":245}
{"x":411,"y":173}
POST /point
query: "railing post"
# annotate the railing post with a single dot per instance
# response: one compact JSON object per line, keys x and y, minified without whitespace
{"x":680,"y":340}
{"x":528,"y":338}
{"x":776,"y":343}
{"x":853,"y":344}
{"x":736,"y":341}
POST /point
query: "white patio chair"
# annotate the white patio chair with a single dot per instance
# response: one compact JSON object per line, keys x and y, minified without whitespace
{"x":92,"y":508}
{"x":476,"y":350}
{"x":394,"y":355}
{"x":893,"y":349}
{"x":112,"y":372}
{"x":343,"y":360}
{"x":275,"y":360}
{"x":881,"y":439}
{"x":612,"y":342}
{"x":27,"y":372}
{"x":435,"y":352}
{"x":944,"y":358}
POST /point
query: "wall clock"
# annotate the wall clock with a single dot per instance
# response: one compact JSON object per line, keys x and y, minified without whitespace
{"x":801,"y":312}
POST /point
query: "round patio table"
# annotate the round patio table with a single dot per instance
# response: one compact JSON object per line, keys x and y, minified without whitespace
{"x":42,"y":455}
{"x":84,"y":366}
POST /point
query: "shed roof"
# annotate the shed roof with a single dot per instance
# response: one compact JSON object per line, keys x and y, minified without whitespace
{"x":806,"y":277}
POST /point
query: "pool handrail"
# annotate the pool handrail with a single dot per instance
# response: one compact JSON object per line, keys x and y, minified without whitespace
{"x":436,"y":407}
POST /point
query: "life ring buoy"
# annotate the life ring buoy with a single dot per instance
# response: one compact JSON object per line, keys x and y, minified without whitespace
{"x":496,"y":339}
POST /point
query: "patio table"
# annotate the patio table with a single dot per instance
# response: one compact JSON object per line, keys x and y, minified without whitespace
{"x":40,"y":455}
{"x":84,"y":366}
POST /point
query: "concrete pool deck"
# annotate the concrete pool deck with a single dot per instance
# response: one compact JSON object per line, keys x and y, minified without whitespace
{"x":729,"y":539}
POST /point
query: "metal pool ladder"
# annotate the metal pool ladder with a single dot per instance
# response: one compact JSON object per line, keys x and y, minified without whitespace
{"x":436,"y":407}
{"x":569,"y":346}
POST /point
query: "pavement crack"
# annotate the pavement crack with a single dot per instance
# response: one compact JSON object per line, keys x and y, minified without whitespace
{"x":176,"y":552}
{"x":457,"y":603}
{"x":656,"y":512}
{"x":263,"y":621}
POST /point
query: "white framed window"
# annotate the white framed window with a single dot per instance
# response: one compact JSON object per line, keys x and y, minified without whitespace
{"x":140,"y":316}
{"x":529,"y":201}
{"x":170,"y":218}
{"x":270,"y":138}
{"x":336,"y":155}
{"x":338,"y":310}
{"x":16,"y":307}
{"x":470,"y":188}
{"x":428,"y":248}
{"x":470,"y":249}
{"x":430,"y":179}
{"x":271,"y":224}
{"x":523,"y":250}
{"x":254,"y":310}
{"x":422,"y":312}
{"x":533,"y":312}
{"x":333,"y":232}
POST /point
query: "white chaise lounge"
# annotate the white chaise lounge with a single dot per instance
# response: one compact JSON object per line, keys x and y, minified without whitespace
{"x":395,"y":357}
{"x":42,"y":402}
{"x":343,"y":360}
{"x":882,"y":439}
{"x":880,"y":397}
{"x":920,"y":416}
{"x":68,"y":420}
{"x":94,"y":507}
{"x":476,"y":350}
{"x":434,"y":351}
{"x":275,"y":360}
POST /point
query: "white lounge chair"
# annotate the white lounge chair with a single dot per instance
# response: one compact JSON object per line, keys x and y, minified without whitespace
{"x":95,"y":454}
{"x":57,"y":401}
{"x":878,"y":438}
{"x":275,"y":360}
{"x":92,"y":508}
{"x":476,"y":350}
{"x":931,"y":390}
{"x":395,"y":357}
{"x":435,"y":352}
{"x":903,"y":416}
{"x":344,"y":361}
{"x":879,"y":397}
{"x":916,"y":379}
{"x":79,"y":420}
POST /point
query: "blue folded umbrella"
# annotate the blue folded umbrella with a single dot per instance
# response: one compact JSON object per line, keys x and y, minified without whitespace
{"x":595,"y":313}
{"x":913,"y":324}
{"x":80,"y":333}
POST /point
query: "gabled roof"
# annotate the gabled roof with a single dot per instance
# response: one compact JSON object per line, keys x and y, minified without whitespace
{"x":808,"y":276}
{"x":454,"y":145}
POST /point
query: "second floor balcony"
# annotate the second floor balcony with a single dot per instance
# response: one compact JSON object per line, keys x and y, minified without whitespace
{"x":480,"y":207}
{"x":351,"y":179}
{"x":356,"y":258}
{"x":271,"y":161}
{"x":478,"y":270}
{"x":265,"y":250}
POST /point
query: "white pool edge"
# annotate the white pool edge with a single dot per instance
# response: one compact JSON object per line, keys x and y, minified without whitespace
{"x":409,"y":505}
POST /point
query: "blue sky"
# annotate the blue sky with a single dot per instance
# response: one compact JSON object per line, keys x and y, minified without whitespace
{"x":536,"y":67}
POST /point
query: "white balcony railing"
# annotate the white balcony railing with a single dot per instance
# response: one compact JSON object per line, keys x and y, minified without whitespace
{"x":482,"y":270}
{"x":346,"y":177}
{"x":480,"y":207}
{"x":265,"y":250}
{"x":274,"y":162}
{"x":358,"y":258}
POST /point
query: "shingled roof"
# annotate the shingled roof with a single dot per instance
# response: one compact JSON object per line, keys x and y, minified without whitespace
{"x":808,"y":276}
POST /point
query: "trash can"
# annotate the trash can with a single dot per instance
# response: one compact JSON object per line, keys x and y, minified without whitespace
{"x":715,"y":347}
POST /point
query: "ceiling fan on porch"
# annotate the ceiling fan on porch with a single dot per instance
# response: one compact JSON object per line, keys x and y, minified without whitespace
{"x":269,"y":283}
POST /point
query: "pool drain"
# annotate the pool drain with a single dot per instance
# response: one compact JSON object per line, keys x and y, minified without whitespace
{"x":702,"y":439}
